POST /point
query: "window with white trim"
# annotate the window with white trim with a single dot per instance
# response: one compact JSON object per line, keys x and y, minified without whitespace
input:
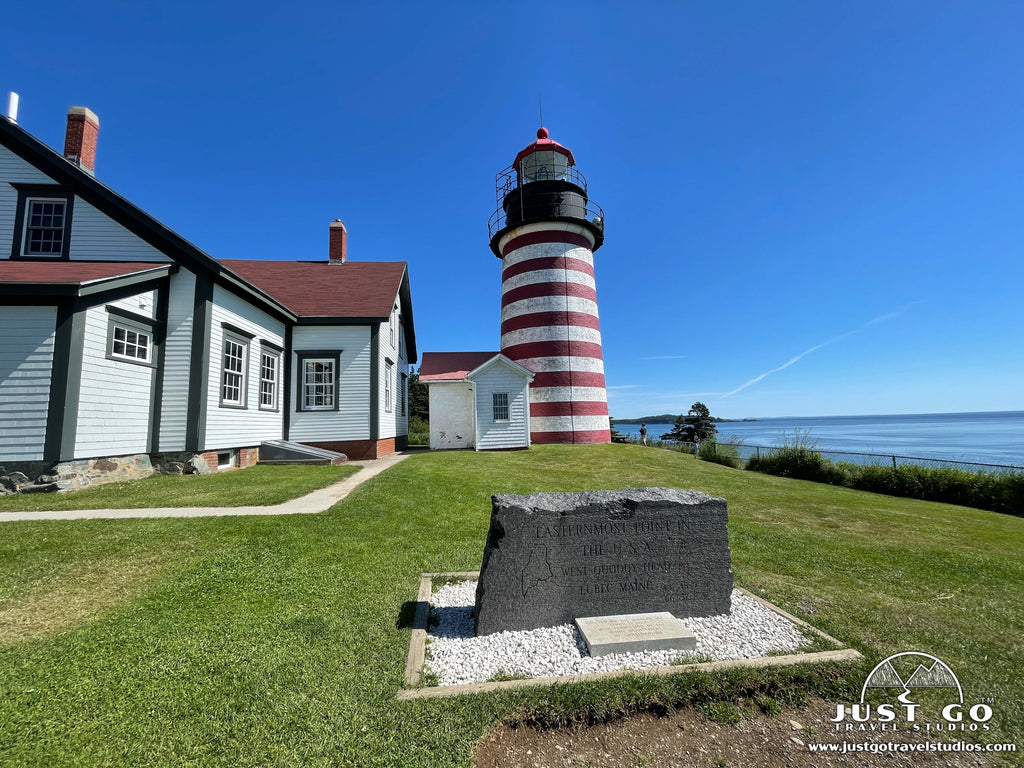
{"x":270,"y":368}
{"x":319,"y":379}
{"x":44,"y":227}
{"x":391,"y":325}
{"x":499,"y":406}
{"x":131,"y":343}
{"x":388,"y":373}
{"x":403,"y":393}
{"x":234,"y":362}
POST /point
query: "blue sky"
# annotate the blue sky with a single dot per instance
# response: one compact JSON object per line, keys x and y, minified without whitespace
{"x":812,"y":208}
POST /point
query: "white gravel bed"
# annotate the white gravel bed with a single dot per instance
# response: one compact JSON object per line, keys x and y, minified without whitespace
{"x":456,"y":656}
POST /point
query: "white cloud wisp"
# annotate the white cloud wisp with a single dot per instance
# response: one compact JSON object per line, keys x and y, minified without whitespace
{"x":816,"y":347}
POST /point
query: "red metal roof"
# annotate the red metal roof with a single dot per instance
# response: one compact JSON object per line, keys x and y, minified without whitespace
{"x":71,"y":272}
{"x":320,"y":289}
{"x":451,"y":366}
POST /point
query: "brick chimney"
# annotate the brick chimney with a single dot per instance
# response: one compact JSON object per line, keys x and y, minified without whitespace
{"x":339,"y":243}
{"x":80,"y":138}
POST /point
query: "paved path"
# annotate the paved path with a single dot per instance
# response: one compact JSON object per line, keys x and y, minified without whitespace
{"x":310,"y":504}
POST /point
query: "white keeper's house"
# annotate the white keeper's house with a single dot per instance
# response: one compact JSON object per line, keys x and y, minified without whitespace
{"x":121,"y":338}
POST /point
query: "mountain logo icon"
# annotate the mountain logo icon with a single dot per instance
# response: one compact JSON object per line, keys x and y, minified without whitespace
{"x":930,"y":672}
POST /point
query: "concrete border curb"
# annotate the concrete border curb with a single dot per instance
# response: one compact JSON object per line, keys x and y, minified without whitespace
{"x":417,"y":653}
{"x":312,"y":503}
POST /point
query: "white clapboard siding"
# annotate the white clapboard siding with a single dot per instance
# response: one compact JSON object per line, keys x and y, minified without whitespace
{"x":514,"y":433}
{"x":352,"y":419}
{"x":13,"y":169}
{"x":143,"y":304}
{"x":114,"y":404}
{"x":177,"y":357}
{"x":26,"y":360}
{"x":391,"y":423}
{"x":95,"y":236}
{"x":237,"y":427}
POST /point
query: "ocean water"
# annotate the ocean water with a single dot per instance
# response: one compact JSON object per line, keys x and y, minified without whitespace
{"x":995,"y":437}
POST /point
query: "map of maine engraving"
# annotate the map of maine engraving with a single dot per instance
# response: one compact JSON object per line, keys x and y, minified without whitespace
{"x":553,"y":557}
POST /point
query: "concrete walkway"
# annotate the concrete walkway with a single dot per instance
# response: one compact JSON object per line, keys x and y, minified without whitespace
{"x":310,"y":504}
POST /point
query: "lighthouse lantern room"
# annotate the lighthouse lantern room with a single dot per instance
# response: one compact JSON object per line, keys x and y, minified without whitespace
{"x":545,"y":231}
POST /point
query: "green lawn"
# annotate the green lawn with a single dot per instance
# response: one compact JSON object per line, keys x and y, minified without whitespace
{"x":261,"y":485}
{"x":281,"y":641}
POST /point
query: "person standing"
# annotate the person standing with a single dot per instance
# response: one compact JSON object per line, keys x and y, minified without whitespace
{"x":643,"y":433}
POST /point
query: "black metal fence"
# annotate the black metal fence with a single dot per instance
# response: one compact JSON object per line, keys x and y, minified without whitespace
{"x":888,"y":459}
{"x":744,"y":452}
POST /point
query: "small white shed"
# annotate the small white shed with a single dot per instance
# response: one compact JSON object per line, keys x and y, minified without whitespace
{"x":478,"y":400}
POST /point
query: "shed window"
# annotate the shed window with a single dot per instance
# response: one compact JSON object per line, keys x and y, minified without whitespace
{"x":44,"y":227}
{"x":232,"y":391}
{"x":499,"y":403}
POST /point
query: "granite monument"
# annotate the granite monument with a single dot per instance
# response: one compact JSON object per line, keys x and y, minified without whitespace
{"x":553,"y":557}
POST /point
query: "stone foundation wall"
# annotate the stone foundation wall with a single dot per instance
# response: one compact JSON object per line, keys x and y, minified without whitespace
{"x":31,"y":469}
{"x":180,"y":463}
{"x":85,"y":473}
{"x":32,"y":476}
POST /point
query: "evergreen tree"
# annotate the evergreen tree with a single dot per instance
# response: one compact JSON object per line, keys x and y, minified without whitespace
{"x":703,"y":425}
{"x":694,"y":427}
{"x":680,"y":432}
{"x":419,"y":398}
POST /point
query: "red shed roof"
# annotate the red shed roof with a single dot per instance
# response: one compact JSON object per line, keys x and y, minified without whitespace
{"x":71,"y":272}
{"x":319,"y":289}
{"x":451,"y":366}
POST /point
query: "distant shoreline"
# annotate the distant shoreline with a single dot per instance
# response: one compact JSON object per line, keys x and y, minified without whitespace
{"x":672,"y":420}
{"x":665,"y":418}
{"x":986,"y":437}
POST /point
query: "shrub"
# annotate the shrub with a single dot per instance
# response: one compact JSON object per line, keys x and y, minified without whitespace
{"x":719,"y":453}
{"x":995,"y":491}
{"x":419,"y":431}
{"x":799,"y":458}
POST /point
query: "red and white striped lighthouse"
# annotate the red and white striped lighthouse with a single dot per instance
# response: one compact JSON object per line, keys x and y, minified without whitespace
{"x":545,"y":231}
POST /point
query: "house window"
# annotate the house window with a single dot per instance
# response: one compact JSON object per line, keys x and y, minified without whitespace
{"x":499,"y":404}
{"x":319,"y":379}
{"x":388,"y":372}
{"x":233,"y":368}
{"x":270,"y":366}
{"x":42,"y":222}
{"x":403,"y":393}
{"x":130,"y":337}
{"x":44,"y":227}
{"x":391,"y":325}
{"x":130,"y":343}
